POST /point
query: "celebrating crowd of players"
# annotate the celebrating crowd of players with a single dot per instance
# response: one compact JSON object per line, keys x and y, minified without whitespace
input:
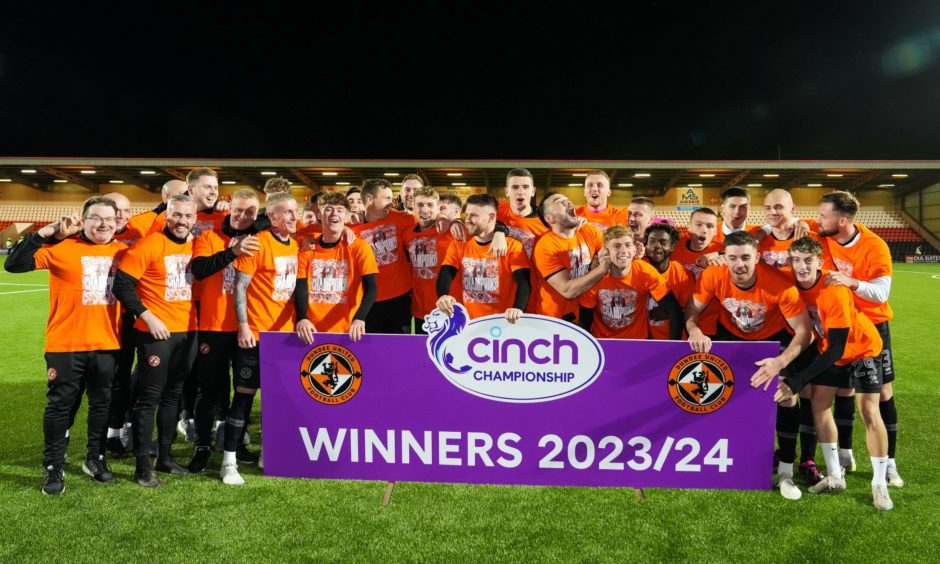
{"x":186,"y":290}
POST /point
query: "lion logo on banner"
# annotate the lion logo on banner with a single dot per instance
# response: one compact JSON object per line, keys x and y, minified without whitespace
{"x":441,"y":329}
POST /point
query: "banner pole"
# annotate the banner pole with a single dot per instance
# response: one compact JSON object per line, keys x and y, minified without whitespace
{"x":638,"y":493}
{"x":387,"y":498}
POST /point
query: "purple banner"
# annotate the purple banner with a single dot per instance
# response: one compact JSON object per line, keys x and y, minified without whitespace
{"x":528,"y":404}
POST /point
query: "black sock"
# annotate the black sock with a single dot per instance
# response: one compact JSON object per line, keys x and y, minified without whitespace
{"x":845,"y":420}
{"x":235,"y":422}
{"x":889,"y":413}
{"x":807,"y":431}
{"x":788,"y":425}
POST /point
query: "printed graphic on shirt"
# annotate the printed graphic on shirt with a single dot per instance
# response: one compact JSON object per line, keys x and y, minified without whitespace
{"x":813,"y":312}
{"x":179,"y":281}
{"x":481,"y":280}
{"x":618,"y":307}
{"x":97,"y":277}
{"x":228,"y":279}
{"x":747,"y":315}
{"x":844,"y":267}
{"x":527,"y":239}
{"x":285,"y":277}
{"x":776,"y":259}
{"x":655,"y":314}
{"x":329,"y":280}
{"x":423,"y":254}
{"x":202,"y":225}
{"x":580,"y":261}
{"x":602,"y":227}
{"x":384,"y":241}
{"x":694,"y":269}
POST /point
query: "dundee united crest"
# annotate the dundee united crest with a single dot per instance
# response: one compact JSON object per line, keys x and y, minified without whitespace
{"x":701,"y":383}
{"x":330,"y":374}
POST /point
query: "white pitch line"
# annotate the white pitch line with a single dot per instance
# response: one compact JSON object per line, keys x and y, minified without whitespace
{"x":22,"y":291}
{"x":13,"y":284}
{"x":914,"y":272}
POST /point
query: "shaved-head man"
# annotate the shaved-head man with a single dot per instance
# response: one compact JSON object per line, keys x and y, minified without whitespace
{"x":173,"y":188}
{"x":778,"y":211}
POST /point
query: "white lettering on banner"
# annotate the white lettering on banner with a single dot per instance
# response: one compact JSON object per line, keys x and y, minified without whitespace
{"x":536,"y":359}
{"x":474,"y":448}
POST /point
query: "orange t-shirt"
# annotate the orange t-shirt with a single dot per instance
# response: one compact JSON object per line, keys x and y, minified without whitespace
{"x":830,"y":307}
{"x":164,"y":282}
{"x":334,"y":282}
{"x":681,"y":284}
{"x":553,"y":254}
{"x":720,"y":235}
{"x":426,"y":251}
{"x":217,"y":292}
{"x":622,"y":301}
{"x":488,"y":285}
{"x":776,"y":252}
{"x":205,"y":220}
{"x":526,"y":230}
{"x":708,"y":320}
{"x":865,"y":257}
{"x":386,"y":236}
{"x":603,"y":220}
{"x":754,"y":314}
{"x":273,"y":270}
{"x":83,"y":314}
{"x":137,"y":227}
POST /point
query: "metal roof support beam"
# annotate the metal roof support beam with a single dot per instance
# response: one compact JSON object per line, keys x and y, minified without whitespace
{"x":308,"y":182}
{"x":83,"y":182}
{"x":735,"y":179}
{"x":669,"y":183}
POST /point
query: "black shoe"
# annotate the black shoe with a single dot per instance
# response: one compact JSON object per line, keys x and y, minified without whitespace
{"x":98,"y":469}
{"x":245,"y":456}
{"x":53,"y":481}
{"x":116,"y":448}
{"x":146,"y":478}
{"x":200,"y":459}
{"x":170,"y":466}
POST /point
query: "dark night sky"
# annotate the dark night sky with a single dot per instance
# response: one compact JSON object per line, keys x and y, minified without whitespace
{"x":654,"y":81}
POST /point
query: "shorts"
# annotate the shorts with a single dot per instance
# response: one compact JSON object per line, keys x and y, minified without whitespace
{"x":247,"y":365}
{"x":864,"y":375}
{"x":887,"y":362}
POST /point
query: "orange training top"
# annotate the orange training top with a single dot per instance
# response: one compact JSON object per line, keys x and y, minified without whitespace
{"x":273,"y":270}
{"x":553,"y":254}
{"x":334,"y":282}
{"x":620,"y":303}
{"x":681,"y":284}
{"x":865,"y":257}
{"x":603,"y":220}
{"x":756,"y":313}
{"x":488,"y":285}
{"x":426,"y":251}
{"x":386,"y":236}
{"x":83,"y":314}
{"x":217,"y":292}
{"x":164,"y":282}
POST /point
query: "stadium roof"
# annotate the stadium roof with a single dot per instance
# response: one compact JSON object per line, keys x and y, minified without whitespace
{"x":642,"y":177}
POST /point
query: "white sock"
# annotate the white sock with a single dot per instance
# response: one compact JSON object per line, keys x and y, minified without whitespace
{"x":879,"y":467}
{"x":228,"y":458}
{"x":215,"y":427}
{"x":67,"y":431}
{"x":831,"y":456}
{"x":785,"y":469}
{"x":892,"y":464}
{"x":112,"y":432}
{"x":846,"y":453}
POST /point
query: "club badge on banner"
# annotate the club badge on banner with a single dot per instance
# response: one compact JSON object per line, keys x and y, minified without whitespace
{"x":540,"y":402}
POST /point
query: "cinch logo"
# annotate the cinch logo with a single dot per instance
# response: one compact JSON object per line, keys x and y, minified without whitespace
{"x":701,"y":383}
{"x":537,"y":359}
{"x":330,"y":374}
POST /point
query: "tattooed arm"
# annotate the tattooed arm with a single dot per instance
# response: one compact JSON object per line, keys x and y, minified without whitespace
{"x":246,"y":338}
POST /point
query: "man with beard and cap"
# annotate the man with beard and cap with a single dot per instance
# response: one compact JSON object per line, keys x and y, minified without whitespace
{"x":214,"y":254}
{"x":491,"y":285}
{"x":596,"y":211}
{"x":861,"y":261}
{"x":757,"y":303}
{"x":426,"y":246}
{"x":82,"y":334}
{"x":562,"y":258}
{"x":154,"y":283}
{"x":615,"y":308}
{"x":661,"y":241}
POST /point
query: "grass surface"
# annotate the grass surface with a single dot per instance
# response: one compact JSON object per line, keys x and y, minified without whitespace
{"x":196,"y":518}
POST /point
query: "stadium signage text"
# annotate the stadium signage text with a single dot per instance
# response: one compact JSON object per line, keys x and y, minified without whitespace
{"x":913,"y":259}
{"x":493,"y":359}
{"x":654,"y":416}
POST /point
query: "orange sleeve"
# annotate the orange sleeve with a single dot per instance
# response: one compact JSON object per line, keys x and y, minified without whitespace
{"x":453,"y":256}
{"x":202,"y":245}
{"x":706,"y":285}
{"x":653,"y":281}
{"x":879,"y":260}
{"x":547,"y":259}
{"x":137,"y":259}
{"x":42,"y":257}
{"x":249,"y":264}
{"x":516,"y":255}
{"x":365,"y":257}
{"x":303,"y":264}
{"x":588,"y":299}
{"x":790,"y":303}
